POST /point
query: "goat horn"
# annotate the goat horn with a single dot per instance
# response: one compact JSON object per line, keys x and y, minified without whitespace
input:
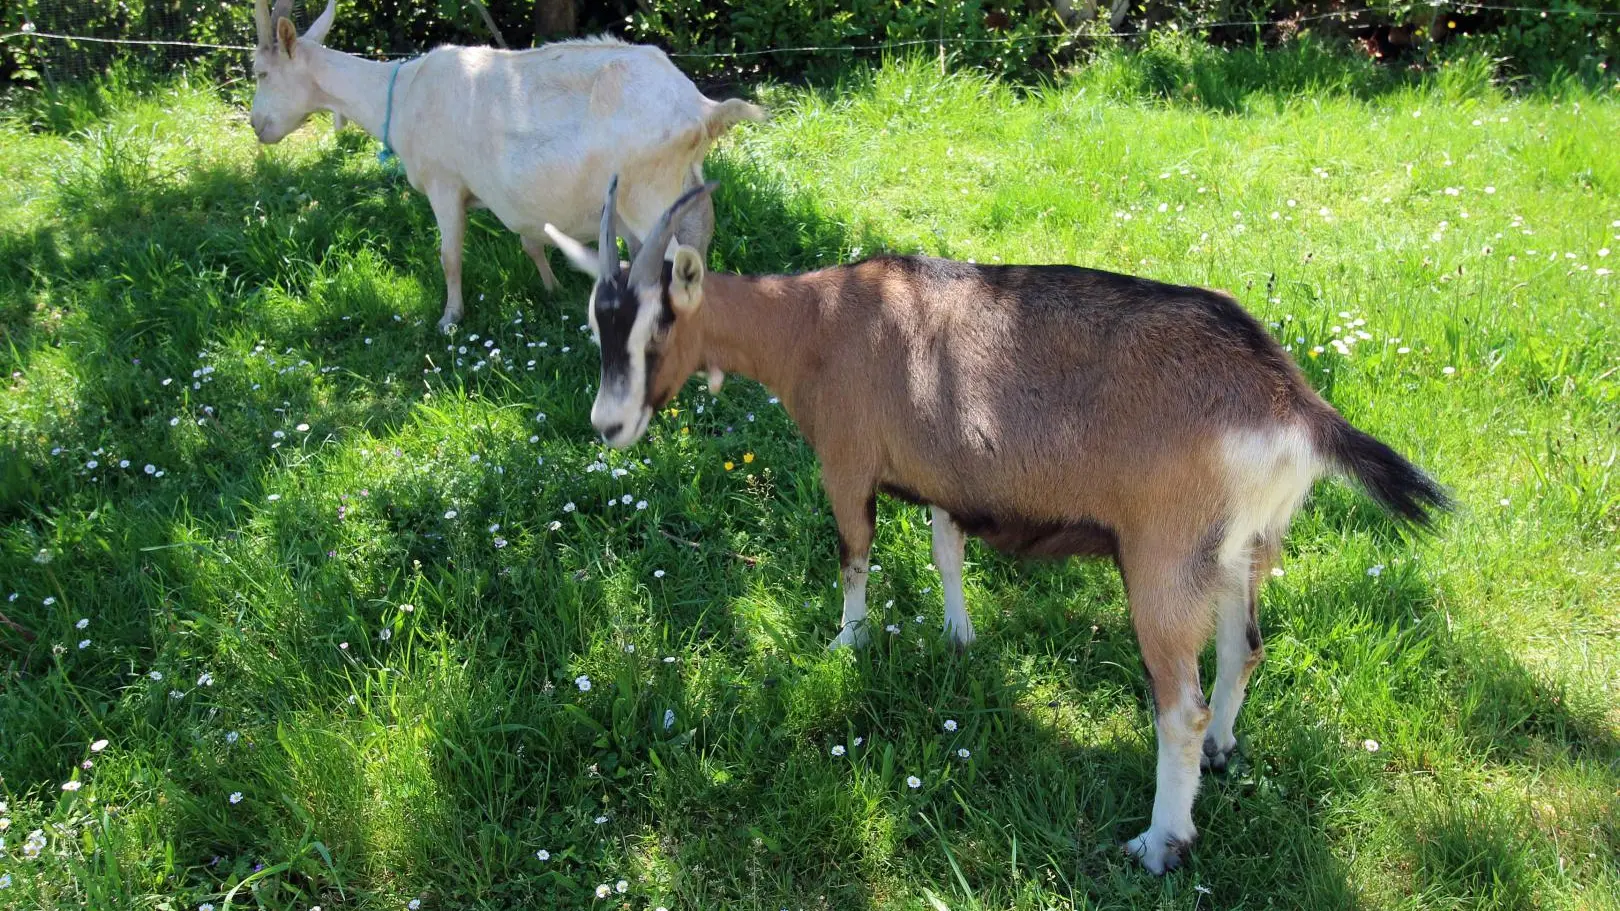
{"x":649,"y":262}
{"x":282,"y":10}
{"x":261,"y":20}
{"x":607,"y":243}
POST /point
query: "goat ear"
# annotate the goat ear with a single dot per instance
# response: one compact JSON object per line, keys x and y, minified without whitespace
{"x":322,"y":24}
{"x":686,"y":280}
{"x":286,"y":34}
{"x":581,"y":257}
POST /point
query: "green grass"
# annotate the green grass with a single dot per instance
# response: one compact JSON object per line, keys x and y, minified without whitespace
{"x":393,"y":679}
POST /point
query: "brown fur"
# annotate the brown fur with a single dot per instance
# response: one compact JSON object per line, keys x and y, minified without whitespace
{"x":1049,"y":410}
{"x":921,"y":376}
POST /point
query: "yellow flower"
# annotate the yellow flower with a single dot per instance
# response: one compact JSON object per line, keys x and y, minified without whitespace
{"x":674,"y":412}
{"x":729,"y":466}
{"x":685,"y":431}
{"x":748,"y":458}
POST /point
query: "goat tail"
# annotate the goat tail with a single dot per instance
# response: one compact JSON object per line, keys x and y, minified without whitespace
{"x":729,"y":113}
{"x":1398,"y":485}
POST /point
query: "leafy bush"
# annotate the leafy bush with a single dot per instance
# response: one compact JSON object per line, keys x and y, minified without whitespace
{"x":1022,"y":38}
{"x":974,"y":33}
{"x":724,"y":38}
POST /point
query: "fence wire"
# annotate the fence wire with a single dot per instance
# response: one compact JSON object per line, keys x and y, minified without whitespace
{"x":63,"y":60}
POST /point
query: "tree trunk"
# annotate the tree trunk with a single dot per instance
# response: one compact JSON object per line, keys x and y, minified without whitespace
{"x":554,"y":19}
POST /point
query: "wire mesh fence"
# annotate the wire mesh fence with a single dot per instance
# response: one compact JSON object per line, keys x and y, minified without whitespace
{"x":50,"y":42}
{"x":64,"y":41}
{"x":46,"y":42}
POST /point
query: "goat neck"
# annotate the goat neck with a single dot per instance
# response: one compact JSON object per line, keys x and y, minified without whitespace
{"x":357,"y":89}
{"x":761,"y":327}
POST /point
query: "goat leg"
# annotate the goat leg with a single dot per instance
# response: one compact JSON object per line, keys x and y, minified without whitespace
{"x":536,"y":248}
{"x":950,"y":544}
{"x":855,"y":510}
{"x":450,"y":210}
{"x":1171,"y":633}
{"x":1238,"y":649}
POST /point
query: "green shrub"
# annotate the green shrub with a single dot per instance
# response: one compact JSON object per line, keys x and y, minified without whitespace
{"x":1021,"y":39}
{"x":973,"y":33}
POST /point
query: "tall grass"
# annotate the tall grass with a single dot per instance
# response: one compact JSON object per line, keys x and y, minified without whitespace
{"x":337,"y":638}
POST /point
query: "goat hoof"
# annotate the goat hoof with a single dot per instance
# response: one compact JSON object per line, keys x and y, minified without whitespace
{"x":1158,"y":853}
{"x":447,"y":323}
{"x":852,"y":635}
{"x":1216,"y":758}
{"x":962,"y":639}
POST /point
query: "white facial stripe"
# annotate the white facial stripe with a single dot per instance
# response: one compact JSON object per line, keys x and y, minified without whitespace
{"x":621,"y":400}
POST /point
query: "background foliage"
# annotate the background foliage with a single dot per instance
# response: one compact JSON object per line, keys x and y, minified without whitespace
{"x":331,"y":648}
{"x":742,"y":38}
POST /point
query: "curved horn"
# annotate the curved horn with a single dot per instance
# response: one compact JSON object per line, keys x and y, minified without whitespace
{"x":282,"y":10}
{"x":649,"y":262}
{"x":607,"y":243}
{"x":261,"y":21}
{"x":322,"y":24}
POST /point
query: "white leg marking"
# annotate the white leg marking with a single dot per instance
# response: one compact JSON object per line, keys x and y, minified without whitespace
{"x":1180,"y":731}
{"x":450,"y":210}
{"x":1235,"y":657}
{"x":949,"y":545}
{"x":854,"y":631}
{"x":536,"y":248}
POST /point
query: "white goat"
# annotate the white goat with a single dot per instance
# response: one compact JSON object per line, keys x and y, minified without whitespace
{"x":1049,"y":410}
{"x":531,"y":135}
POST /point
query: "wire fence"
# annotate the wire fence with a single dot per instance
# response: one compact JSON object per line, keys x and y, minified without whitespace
{"x":65,"y":54}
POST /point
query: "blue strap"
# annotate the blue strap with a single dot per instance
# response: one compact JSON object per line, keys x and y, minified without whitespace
{"x":387,"y":152}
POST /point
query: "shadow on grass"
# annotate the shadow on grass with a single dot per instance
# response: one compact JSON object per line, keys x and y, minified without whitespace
{"x":303,"y":264}
{"x":1063,"y":638}
{"x":1509,"y":713}
{"x":509,"y":766}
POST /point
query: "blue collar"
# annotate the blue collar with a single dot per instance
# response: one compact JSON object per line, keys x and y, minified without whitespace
{"x":388,"y":117}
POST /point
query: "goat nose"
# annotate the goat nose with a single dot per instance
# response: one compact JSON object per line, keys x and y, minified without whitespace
{"x":611,"y":431}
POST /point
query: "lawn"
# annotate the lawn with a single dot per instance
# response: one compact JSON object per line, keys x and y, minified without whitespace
{"x":304,"y":604}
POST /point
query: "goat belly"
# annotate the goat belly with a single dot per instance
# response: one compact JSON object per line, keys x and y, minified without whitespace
{"x":1036,"y":538}
{"x":1021,"y":537}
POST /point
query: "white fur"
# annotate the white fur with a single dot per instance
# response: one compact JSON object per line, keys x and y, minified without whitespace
{"x":949,"y":546}
{"x":853,"y":630}
{"x":1180,"y":735}
{"x":1269,"y":472}
{"x":531,"y":135}
{"x":1232,"y":656}
{"x":620,"y":405}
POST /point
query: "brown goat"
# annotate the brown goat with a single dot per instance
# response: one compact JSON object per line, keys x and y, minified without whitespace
{"x":1049,"y":410}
